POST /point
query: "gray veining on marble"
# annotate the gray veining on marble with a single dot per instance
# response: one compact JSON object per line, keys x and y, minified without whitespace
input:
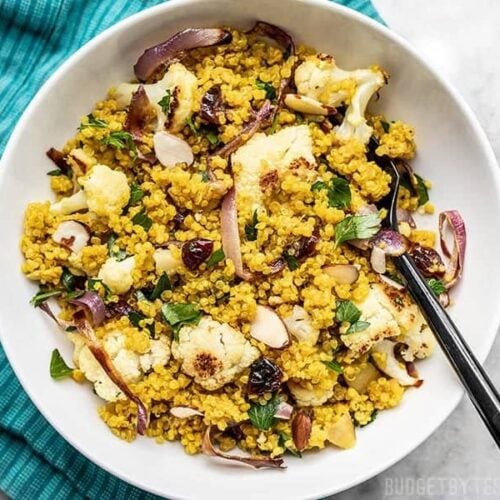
{"x":461,"y":39}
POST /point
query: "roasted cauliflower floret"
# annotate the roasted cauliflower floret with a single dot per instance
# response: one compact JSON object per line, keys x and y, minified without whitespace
{"x":117,"y":275}
{"x":381,"y":323}
{"x":263,"y":154}
{"x":107,"y":190}
{"x":129,"y":364}
{"x":321,"y":79}
{"x":213,"y":353}
{"x":299,"y":324}
{"x":420,"y":341}
{"x":70,"y":204}
{"x":181,"y":84}
{"x":166,"y":261}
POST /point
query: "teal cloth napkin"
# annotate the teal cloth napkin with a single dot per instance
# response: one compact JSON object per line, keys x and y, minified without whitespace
{"x":36,"y":37}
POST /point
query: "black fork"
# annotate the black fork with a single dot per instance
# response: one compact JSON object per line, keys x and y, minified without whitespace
{"x":478,"y":385}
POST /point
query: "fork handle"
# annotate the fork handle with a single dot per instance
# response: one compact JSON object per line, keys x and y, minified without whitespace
{"x":478,"y":385}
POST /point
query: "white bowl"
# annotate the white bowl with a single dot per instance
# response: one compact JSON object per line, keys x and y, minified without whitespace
{"x":453,"y":152}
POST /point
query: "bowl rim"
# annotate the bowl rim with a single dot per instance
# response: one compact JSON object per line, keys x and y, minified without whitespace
{"x":163,"y":8}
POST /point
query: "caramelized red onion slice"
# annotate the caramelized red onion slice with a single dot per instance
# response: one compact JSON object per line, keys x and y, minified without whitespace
{"x":284,"y":411}
{"x":102,"y":357}
{"x":248,"y":131}
{"x":391,"y":242}
{"x":231,"y":235}
{"x":59,"y":159}
{"x":166,"y":52}
{"x":404,"y":215}
{"x":209,"y":449}
{"x":92,"y":304}
{"x":139,"y":113}
{"x":453,"y":219}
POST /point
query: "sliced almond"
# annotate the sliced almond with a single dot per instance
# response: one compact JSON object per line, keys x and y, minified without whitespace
{"x":185,"y":412}
{"x":284,"y":411}
{"x":378,"y":260}
{"x":171,"y":150}
{"x":301,"y":430}
{"x":72,"y":235}
{"x":267,"y":327}
{"x":344,"y":274}
{"x":306,"y":105}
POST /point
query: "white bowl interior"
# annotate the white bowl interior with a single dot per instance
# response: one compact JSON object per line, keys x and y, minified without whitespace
{"x":452,"y":152}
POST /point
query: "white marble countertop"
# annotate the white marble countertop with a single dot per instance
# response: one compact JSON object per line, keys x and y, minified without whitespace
{"x":462,"y":40}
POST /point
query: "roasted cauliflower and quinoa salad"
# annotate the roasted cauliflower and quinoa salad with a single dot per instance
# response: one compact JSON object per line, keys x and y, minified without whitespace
{"x":215,"y":253}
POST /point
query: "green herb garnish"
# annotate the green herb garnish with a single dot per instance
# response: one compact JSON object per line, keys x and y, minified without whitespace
{"x":140,"y":295}
{"x":215,"y":258}
{"x":178,"y":315}
{"x":212,"y":137}
{"x":385,"y":126}
{"x":164,"y":102}
{"x":43,"y":295}
{"x":136,"y":194}
{"x":120,"y":140}
{"x":347,"y":311}
{"x":192,"y":126}
{"x":268,"y":88}
{"x":262,"y":416}
{"x":162,"y":284}
{"x":291,"y":260}
{"x":318,"y":186}
{"x":437,"y":286}
{"x":251,"y":229}
{"x":118,"y":254}
{"x":58,"y":367}
{"x":93,"y":285}
{"x":55,"y":173}
{"x":135,"y":319}
{"x":334,"y":366}
{"x":359,"y":326}
{"x":339,"y":193}
{"x":68,"y":280}
{"x":422,"y":192}
{"x":356,"y":227}
{"x":93,"y":122}
{"x":141,"y":219}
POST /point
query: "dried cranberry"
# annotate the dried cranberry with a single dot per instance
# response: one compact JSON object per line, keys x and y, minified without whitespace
{"x":211,"y":105}
{"x":303,"y":247}
{"x":196,"y":251}
{"x":179,"y":219}
{"x":120,"y":308}
{"x":234,"y":432}
{"x":427,"y":260}
{"x":265,"y":376}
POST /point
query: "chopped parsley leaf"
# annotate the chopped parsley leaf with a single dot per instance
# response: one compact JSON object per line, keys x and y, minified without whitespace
{"x":347,"y":311}
{"x":423,"y":194}
{"x":55,"y":173}
{"x":291,"y":260}
{"x":215,"y":258}
{"x":268,"y":88}
{"x":285,"y":438}
{"x":162,"y":284}
{"x":58,"y":367}
{"x":437,"y":286}
{"x":178,"y":315}
{"x":136,"y":194}
{"x":43,"y":295}
{"x":339,"y":193}
{"x":164,"y":102}
{"x":385,"y":126}
{"x":262,"y":416}
{"x":334,"y":366}
{"x":192,"y":126}
{"x":118,"y":254}
{"x":135,"y":319}
{"x":251,"y":229}
{"x":93,"y":122}
{"x":356,"y":227}
{"x":141,"y":219}
{"x":119,"y":140}
{"x":318,"y":186}
{"x":359,"y":326}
